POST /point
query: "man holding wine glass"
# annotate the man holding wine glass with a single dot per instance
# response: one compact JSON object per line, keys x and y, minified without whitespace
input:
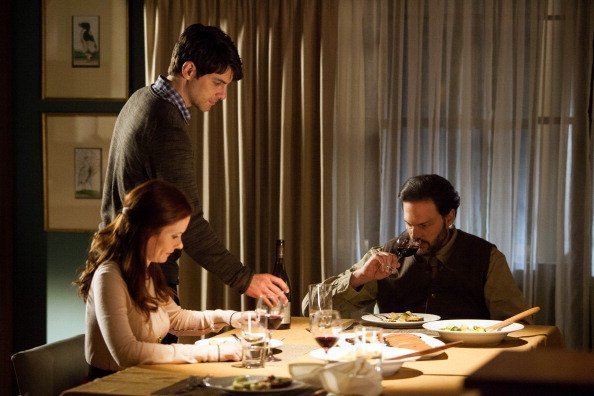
{"x":432,"y":267}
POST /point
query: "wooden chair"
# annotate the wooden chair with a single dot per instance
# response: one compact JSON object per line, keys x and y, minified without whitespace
{"x":51,"y":368}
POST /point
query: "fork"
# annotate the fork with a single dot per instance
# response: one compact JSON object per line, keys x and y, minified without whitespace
{"x":379,"y":316}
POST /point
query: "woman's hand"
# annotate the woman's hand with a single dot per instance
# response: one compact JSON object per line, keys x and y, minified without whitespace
{"x":228,"y":351}
{"x":238,"y":318}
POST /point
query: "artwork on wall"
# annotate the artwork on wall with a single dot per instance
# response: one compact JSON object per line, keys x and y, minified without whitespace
{"x":85,"y":41}
{"x":87,"y":173}
{"x":85,"y":49}
{"x":75,"y":150}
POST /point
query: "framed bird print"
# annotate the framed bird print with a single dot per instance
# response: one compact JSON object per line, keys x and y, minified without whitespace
{"x":85,"y":49}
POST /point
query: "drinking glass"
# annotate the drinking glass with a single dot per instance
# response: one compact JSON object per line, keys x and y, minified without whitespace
{"x":273,"y":308}
{"x":326,"y":327}
{"x":320,"y":297}
{"x":254,"y":329}
{"x":405,"y":247}
{"x":369,"y":344}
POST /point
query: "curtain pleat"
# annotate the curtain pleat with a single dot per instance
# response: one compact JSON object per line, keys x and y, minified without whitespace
{"x":342,"y":101}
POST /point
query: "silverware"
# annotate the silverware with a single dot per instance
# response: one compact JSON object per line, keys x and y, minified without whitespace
{"x":379,"y":316}
{"x":426,"y":351}
{"x":347,"y":324}
{"x":512,"y":319}
{"x":237,"y":338}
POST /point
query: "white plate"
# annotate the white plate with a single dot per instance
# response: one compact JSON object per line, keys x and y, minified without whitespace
{"x":274,"y":343}
{"x":336,"y":354}
{"x":384,"y":323}
{"x":224,"y":384}
{"x":471,"y":338}
{"x":346,"y":353}
{"x":431,"y":341}
{"x":427,"y":339}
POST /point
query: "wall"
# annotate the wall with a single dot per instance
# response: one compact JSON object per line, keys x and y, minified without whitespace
{"x":46,"y":305}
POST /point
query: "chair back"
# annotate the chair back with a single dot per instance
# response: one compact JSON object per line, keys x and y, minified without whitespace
{"x":51,"y":368}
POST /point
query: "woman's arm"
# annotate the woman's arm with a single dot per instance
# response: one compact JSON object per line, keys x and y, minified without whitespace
{"x":116,"y":315}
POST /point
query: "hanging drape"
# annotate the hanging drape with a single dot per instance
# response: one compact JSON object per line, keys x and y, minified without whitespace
{"x":343,"y":100}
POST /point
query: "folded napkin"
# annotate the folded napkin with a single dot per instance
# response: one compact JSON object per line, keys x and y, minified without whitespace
{"x":356,"y":377}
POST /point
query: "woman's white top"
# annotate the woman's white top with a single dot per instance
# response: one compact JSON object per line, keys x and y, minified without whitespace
{"x":118,"y":335}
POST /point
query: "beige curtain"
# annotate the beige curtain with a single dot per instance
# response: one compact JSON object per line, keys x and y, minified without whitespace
{"x":344,"y":100}
{"x":264,"y":155}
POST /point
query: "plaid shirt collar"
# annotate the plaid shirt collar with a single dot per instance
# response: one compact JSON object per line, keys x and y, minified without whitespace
{"x":162,"y":87}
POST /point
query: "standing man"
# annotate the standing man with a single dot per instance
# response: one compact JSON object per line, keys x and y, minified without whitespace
{"x":453,"y":274}
{"x":150,"y":141}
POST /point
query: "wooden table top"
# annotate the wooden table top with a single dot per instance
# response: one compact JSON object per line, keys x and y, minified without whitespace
{"x":443,"y":374}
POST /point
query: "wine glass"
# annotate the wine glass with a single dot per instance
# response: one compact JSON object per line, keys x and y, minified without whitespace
{"x":326,"y":327}
{"x":273,"y":308}
{"x":407,"y":246}
{"x":254,"y":329}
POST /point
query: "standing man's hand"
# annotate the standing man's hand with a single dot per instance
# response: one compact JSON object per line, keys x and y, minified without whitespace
{"x":267,"y":285}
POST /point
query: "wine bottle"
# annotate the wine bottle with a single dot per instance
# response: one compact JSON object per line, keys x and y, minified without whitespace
{"x":280,"y":271}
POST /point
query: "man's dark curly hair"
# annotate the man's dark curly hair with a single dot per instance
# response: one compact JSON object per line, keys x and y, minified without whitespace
{"x":431,"y":187}
{"x":209,"y":48}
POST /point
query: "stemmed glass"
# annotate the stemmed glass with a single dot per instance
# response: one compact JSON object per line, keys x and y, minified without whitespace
{"x":326,"y":327}
{"x":254,"y":329}
{"x":273,"y":308}
{"x":405,"y":247}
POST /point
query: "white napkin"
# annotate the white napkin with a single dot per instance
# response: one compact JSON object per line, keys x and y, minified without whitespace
{"x":357,"y":377}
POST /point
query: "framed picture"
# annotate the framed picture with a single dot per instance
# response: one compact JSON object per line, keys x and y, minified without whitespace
{"x":85,"y":41}
{"x":85,"y":49}
{"x":87,"y":173}
{"x":75,"y":150}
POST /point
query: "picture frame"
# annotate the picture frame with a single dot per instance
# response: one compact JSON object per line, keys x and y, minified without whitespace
{"x":75,"y":152}
{"x":85,"y":49}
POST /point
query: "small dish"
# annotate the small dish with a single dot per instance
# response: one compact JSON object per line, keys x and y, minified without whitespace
{"x":224,"y":384}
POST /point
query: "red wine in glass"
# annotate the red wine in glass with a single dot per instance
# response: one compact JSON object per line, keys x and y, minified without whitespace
{"x":406,"y":247}
{"x":326,"y":342}
{"x":274,"y":321}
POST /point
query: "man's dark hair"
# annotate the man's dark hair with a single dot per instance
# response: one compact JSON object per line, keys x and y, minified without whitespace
{"x":209,"y":48}
{"x":431,"y":187}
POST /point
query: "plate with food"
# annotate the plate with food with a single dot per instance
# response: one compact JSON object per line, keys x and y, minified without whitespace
{"x":471,"y":331}
{"x":414,"y":341}
{"x":274,"y":343}
{"x":399,"y":319}
{"x":254,"y":384}
{"x":348,"y":353}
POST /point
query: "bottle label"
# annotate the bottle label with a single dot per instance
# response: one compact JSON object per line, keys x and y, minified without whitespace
{"x":287,"y":314}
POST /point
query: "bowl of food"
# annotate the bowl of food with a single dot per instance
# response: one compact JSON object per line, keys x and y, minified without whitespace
{"x":471,"y":331}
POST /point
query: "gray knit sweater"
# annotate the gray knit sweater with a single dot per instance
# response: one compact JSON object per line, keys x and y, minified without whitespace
{"x":150,"y":140}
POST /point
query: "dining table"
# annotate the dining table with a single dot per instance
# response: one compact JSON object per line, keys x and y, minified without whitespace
{"x":443,"y":374}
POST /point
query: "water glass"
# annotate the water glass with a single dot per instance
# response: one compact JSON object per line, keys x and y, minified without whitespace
{"x":253,"y":356}
{"x":369,"y":344}
{"x":320,"y":298}
{"x":253,"y":330}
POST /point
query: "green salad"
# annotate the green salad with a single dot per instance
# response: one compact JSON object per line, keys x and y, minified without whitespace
{"x":244,"y":382}
{"x":465,"y":328}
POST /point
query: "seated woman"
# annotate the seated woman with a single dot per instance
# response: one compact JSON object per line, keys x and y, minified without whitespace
{"x":129,"y":307}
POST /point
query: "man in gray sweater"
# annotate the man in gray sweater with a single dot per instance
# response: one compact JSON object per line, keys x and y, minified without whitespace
{"x":150,"y":140}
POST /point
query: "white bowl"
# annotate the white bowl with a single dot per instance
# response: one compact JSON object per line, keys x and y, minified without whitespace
{"x":471,"y":338}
